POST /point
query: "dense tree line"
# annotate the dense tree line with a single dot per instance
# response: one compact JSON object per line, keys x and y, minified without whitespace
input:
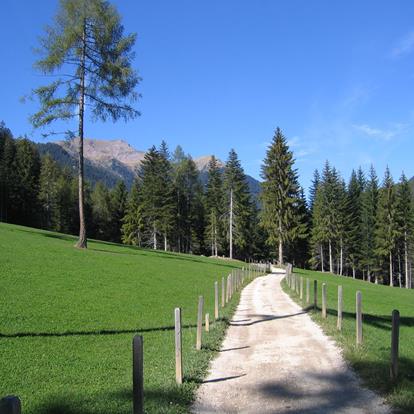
{"x":361,"y":228}
{"x":167,"y":207}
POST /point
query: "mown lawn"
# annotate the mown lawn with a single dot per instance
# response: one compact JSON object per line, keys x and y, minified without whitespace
{"x":372,"y":359}
{"x":67,"y":319}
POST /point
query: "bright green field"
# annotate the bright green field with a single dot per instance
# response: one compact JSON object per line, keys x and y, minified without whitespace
{"x":372,"y":359}
{"x":67,"y":319}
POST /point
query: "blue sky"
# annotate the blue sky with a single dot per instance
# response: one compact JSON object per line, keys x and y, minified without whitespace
{"x":337,"y":77}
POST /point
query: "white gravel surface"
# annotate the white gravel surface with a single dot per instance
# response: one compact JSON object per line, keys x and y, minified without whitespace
{"x":275,"y":359}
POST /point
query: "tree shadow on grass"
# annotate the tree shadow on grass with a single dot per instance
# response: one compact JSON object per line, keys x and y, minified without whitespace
{"x":93,"y":333}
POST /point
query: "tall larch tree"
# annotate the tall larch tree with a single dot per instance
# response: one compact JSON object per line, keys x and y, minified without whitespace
{"x":90,"y":59}
{"x":280,"y":194}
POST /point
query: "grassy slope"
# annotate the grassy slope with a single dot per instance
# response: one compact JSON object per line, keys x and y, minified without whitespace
{"x":371,"y":360}
{"x":67,"y":319}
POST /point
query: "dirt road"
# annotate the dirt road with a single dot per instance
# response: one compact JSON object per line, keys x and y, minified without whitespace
{"x":275,"y":359}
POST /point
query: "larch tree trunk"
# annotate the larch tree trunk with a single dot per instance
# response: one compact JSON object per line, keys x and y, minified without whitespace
{"x":82,"y":242}
{"x":391,"y":280}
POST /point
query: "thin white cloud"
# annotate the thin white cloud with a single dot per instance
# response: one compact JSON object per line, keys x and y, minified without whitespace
{"x":384,"y":134}
{"x":404,"y":46}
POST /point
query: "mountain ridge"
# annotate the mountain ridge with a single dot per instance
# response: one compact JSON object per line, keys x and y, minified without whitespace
{"x":112,"y":160}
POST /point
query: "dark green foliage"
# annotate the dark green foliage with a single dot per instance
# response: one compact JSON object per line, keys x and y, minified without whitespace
{"x":405,"y":216}
{"x":387,"y":230}
{"x":280,"y":196}
{"x":368,"y":223}
{"x":235,"y":184}
{"x":214,"y":206}
{"x":118,"y":205}
{"x":133,"y":222}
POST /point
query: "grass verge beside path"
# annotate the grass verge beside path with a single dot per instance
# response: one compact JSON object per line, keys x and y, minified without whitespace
{"x":67,"y":319}
{"x":371,"y":360}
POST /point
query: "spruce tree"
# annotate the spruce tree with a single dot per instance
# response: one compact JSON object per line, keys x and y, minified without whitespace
{"x":118,"y":201}
{"x":406,"y":223}
{"x":368,"y":223}
{"x":280,"y":195}
{"x":101,"y":212}
{"x":188,"y":195}
{"x":387,"y":230}
{"x":214,"y":206}
{"x":8,"y":174}
{"x":90,"y":58}
{"x":237,"y":206}
{"x":355,"y":191}
{"x":48,"y":193}
{"x":132,"y":222}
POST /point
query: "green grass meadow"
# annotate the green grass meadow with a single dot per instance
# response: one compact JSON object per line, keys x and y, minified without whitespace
{"x":371,"y":360}
{"x":68,"y":317}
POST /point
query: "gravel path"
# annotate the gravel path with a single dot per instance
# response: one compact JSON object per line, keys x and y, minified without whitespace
{"x":275,"y":359}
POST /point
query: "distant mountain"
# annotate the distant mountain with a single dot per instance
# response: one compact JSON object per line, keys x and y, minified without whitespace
{"x":111,"y":161}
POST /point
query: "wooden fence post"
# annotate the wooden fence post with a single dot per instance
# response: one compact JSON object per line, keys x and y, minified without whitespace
{"x":395,"y":332}
{"x":315,"y":294}
{"x":323,"y":300}
{"x":358,"y":318}
{"x":10,"y":405}
{"x":138,"y":374}
{"x":199,"y":322}
{"x":207,"y":327}
{"x":301,"y":288}
{"x":339,"y":320}
{"x":178,"y":343}
{"x":307,"y":290}
{"x":216,"y":301}
{"x":223,"y":292}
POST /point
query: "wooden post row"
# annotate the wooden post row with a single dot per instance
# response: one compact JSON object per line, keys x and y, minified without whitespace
{"x":178,"y":345}
{"x":315,"y":294}
{"x":207,"y":326}
{"x":223,"y":292}
{"x":301,"y":287}
{"x":138,"y":374}
{"x":395,"y":332}
{"x":340,"y":304}
{"x":216,"y":301}
{"x":358,"y":317}
{"x":307,"y":290}
{"x":10,"y":405}
{"x":323,"y":300}
{"x":199,"y":322}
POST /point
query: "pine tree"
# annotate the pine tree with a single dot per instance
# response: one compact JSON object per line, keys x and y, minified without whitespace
{"x":237,"y":206}
{"x":387,"y":230}
{"x":24,"y":197}
{"x":314,"y":188}
{"x":405,"y":215}
{"x":368,"y":223}
{"x":214,"y":206}
{"x":118,"y":201}
{"x":188,"y":195}
{"x":133,"y":223}
{"x":8,"y":173}
{"x":280,"y":194}
{"x":355,"y":191}
{"x":101,"y":212}
{"x":87,"y":50}
{"x":48,"y":193}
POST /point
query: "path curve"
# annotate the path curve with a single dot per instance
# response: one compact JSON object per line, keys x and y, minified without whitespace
{"x":275,"y":359}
